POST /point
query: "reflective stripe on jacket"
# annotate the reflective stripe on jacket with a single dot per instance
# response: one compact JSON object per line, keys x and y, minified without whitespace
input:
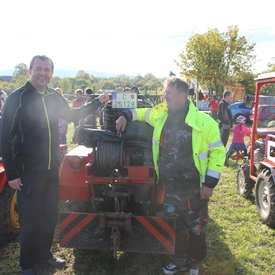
{"x":208,"y":149}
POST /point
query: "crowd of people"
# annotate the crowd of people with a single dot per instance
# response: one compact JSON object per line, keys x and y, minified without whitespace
{"x":188,"y":149}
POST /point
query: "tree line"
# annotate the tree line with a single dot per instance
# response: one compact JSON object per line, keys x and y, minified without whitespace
{"x":147,"y":84}
{"x":209,"y":61}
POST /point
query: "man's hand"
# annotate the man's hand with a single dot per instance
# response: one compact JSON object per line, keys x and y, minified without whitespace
{"x":206,"y":192}
{"x":15,"y":184}
{"x":121,"y":124}
{"x":104,"y":97}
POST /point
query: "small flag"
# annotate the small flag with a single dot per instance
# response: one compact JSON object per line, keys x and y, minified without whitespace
{"x":172,"y":74}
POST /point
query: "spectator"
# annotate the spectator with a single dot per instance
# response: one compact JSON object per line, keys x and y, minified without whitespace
{"x":78,"y":102}
{"x":214,"y":107}
{"x":90,"y":120}
{"x":240,"y":131}
{"x":200,"y":95}
{"x":3,"y":95}
{"x":88,"y":95}
{"x":225,"y":117}
{"x":30,"y":153}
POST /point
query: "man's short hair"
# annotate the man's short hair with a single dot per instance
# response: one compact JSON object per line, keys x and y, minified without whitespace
{"x":42,"y":57}
{"x":181,"y":85}
{"x":226,"y":93}
{"x":135,"y":89}
{"x":126,"y":89}
{"x":89,"y":91}
{"x":79,"y":91}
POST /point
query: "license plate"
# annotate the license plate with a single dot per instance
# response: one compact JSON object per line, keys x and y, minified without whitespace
{"x":124,"y":100}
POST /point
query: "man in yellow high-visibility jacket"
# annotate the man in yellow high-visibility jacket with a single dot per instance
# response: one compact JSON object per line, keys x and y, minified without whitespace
{"x":188,"y":157}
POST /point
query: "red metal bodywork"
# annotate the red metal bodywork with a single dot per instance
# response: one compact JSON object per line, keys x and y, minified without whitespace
{"x":3,"y":177}
{"x":115,"y":231}
{"x":259,"y":132}
{"x":72,"y":183}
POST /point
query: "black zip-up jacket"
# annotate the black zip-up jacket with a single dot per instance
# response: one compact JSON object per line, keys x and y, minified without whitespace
{"x":224,"y":114}
{"x":29,"y":136}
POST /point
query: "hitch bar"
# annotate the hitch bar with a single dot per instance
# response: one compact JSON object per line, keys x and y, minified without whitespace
{"x":115,"y":220}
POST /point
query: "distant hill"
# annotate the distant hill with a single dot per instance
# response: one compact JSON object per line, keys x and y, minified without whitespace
{"x":72,"y":73}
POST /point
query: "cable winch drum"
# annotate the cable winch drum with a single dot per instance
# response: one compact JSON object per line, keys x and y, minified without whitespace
{"x":110,"y":156}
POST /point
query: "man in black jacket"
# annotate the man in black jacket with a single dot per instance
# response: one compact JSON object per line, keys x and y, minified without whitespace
{"x":30,"y":152}
{"x":225,"y":117}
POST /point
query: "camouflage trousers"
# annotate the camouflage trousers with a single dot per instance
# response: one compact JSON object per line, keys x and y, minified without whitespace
{"x":192,"y":217}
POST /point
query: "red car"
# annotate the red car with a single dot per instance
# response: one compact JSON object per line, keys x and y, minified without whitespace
{"x":266,"y":113}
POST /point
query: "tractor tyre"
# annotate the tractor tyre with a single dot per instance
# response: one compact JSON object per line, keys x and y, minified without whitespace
{"x":9,"y":220}
{"x":265,"y":197}
{"x":245,"y":184}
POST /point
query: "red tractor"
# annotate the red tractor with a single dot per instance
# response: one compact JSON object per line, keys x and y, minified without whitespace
{"x":9,"y":222}
{"x":112,"y":198}
{"x":259,"y":172}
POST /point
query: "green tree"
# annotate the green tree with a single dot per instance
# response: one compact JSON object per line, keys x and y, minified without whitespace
{"x":55,"y":82}
{"x":109,"y":84}
{"x":214,"y":59}
{"x":247,"y":79}
{"x":20,"y":80}
{"x":20,"y":69}
{"x":81,"y":83}
{"x":82,"y":74}
{"x":271,"y":66}
{"x":65,"y":85}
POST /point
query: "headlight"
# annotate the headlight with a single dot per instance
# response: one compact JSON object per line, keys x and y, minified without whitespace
{"x":75,"y":162}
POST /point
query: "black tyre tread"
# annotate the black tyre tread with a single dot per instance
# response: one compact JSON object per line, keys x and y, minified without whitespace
{"x":270,"y":219}
{"x":7,"y":231}
{"x":248,"y":182}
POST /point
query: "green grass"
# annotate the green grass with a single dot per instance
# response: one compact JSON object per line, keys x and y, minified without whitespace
{"x":238,"y":243}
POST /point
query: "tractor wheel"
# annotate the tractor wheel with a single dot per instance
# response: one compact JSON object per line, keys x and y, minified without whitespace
{"x":9,"y":221}
{"x":244,"y":183}
{"x":230,"y":161}
{"x":265,"y":197}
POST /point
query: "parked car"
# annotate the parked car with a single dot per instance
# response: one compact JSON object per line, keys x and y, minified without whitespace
{"x":266,"y":113}
{"x":266,"y":100}
{"x":240,"y":109}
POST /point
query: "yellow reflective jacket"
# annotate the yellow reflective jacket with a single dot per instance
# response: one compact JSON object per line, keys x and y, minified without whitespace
{"x":208,"y":149}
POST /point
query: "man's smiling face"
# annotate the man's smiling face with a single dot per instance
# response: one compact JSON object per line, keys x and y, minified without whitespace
{"x":41,"y":74}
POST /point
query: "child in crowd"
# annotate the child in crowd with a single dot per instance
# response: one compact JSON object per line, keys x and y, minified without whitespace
{"x":240,"y":131}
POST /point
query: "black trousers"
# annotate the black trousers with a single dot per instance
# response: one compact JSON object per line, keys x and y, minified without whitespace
{"x":214,"y":114}
{"x":37,"y":206}
{"x":224,"y":136}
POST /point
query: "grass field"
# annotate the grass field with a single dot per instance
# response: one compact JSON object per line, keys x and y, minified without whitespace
{"x":238,"y":243}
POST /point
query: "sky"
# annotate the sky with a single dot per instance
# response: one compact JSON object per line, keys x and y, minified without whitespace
{"x":126,"y":37}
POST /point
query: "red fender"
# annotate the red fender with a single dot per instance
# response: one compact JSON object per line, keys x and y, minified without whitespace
{"x":3,"y":177}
